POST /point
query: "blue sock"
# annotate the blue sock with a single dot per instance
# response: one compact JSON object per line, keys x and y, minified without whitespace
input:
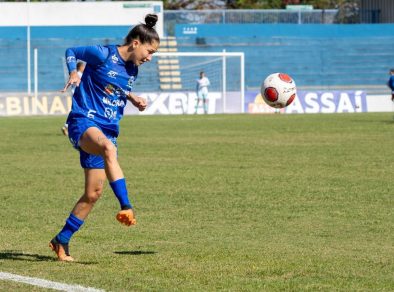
{"x":72,"y":225}
{"x":120,"y":190}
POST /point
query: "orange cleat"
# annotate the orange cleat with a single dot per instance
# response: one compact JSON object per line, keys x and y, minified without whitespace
{"x":61,"y":251}
{"x":126,"y":217}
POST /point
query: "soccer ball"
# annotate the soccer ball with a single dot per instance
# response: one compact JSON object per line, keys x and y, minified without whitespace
{"x":278,"y":90}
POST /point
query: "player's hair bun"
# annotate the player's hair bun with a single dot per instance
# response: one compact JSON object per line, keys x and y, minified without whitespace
{"x":144,"y":32}
{"x":150,"y":20}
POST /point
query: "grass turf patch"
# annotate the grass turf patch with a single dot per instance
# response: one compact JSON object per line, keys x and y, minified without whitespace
{"x":223,"y":202}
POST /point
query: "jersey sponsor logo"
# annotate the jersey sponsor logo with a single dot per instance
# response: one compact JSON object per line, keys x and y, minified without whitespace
{"x":114,"y":102}
{"x":110,"y":113}
{"x":112,"y":74}
{"x":114,"y":59}
{"x":111,"y":90}
{"x":71,"y":59}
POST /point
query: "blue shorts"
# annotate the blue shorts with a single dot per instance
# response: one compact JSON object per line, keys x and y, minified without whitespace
{"x":76,"y":128}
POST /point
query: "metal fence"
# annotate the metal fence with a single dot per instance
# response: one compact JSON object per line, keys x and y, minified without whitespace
{"x":377,"y":11}
{"x":174,"y":17}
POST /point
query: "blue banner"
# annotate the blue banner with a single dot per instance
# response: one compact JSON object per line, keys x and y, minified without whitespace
{"x":277,"y":30}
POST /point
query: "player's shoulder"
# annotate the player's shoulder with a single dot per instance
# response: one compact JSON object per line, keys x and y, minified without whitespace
{"x":102,"y":49}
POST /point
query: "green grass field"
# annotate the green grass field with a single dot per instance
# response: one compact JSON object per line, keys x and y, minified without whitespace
{"x":223,"y":202}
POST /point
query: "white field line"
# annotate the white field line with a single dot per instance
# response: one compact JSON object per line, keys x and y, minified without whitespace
{"x":46,"y":283}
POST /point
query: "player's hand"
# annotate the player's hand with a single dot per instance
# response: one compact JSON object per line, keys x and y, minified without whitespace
{"x":139,"y":102}
{"x":73,"y":79}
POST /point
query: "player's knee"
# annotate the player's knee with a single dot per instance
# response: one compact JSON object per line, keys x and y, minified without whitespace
{"x":93,"y":195}
{"x":109,"y":151}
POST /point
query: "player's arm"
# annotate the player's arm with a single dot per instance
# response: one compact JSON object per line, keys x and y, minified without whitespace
{"x":93,"y":55}
{"x":137,"y":101}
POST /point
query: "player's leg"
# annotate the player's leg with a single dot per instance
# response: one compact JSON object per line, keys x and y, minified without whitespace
{"x":205,"y":103}
{"x":94,"y":183}
{"x":197,"y":103}
{"x":95,"y":142}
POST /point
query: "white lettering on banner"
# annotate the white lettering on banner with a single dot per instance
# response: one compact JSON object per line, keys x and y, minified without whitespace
{"x":311,"y":101}
{"x":177,"y":103}
{"x":358,"y":102}
{"x":295,"y":107}
{"x":212,"y":98}
{"x":327,"y":102}
{"x":25,"y":105}
{"x":13,"y":106}
{"x":57,"y":106}
{"x":328,"y":105}
{"x":41,"y":104}
{"x":156,"y":103}
{"x":344,"y":104}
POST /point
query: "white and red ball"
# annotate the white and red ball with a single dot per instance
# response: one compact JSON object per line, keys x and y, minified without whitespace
{"x":278,"y":90}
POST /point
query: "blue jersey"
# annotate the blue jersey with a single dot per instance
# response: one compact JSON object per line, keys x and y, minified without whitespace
{"x":105,"y":84}
{"x":390,"y":83}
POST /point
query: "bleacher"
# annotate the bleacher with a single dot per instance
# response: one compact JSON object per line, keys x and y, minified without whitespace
{"x":315,"y":63}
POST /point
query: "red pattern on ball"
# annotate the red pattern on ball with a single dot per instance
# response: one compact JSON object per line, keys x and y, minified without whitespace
{"x":286,"y":78}
{"x":290,"y":100}
{"x":271,"y":94}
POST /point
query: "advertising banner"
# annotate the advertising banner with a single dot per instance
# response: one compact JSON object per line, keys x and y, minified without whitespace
{"x":176,"y":103}
{"x":159,"y":103}
{"x":322,"y":102}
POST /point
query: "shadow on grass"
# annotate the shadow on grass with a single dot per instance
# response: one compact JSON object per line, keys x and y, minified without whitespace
{"x":22,"y":256}
{"x":135,"y":252}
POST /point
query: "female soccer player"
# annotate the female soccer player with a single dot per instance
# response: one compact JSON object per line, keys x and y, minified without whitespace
{"x":93,"y":123}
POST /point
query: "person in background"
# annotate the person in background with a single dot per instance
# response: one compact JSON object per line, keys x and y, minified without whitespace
{"x":93,"y":123}
{"x":202,"y":91}
{"x":390,"y":83}
{"x":80,"y":69}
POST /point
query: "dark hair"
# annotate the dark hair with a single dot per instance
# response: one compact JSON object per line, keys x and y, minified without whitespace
{"x":145,"y":33}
